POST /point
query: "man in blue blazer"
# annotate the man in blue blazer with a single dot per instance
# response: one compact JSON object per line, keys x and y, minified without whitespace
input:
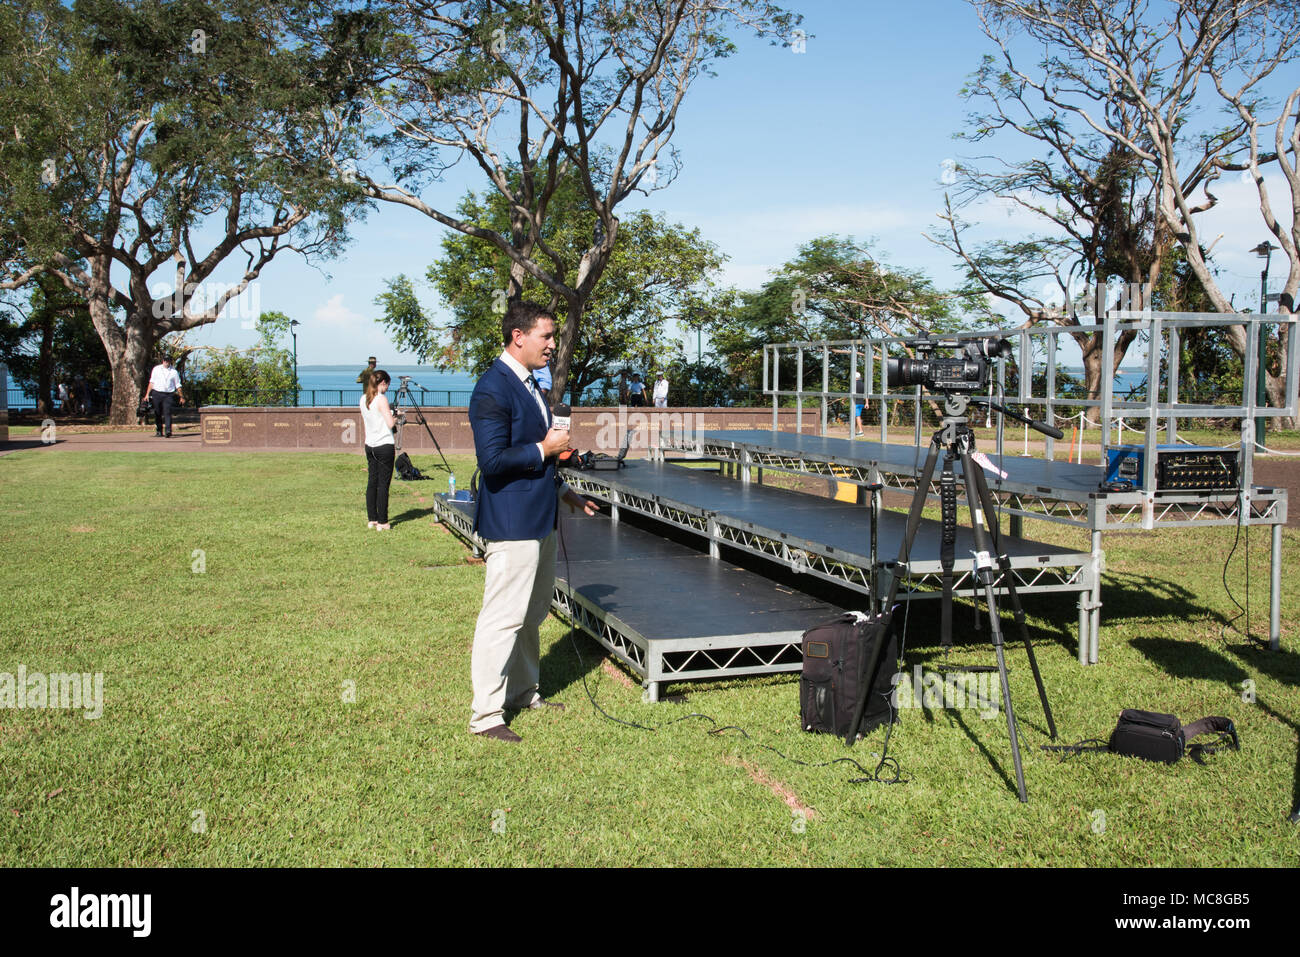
{"x":516,"y":515}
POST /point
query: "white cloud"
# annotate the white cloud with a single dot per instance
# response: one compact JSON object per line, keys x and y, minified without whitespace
{"x":333,"y":313}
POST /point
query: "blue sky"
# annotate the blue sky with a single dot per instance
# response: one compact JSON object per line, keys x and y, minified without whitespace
{"x":848,"y":137}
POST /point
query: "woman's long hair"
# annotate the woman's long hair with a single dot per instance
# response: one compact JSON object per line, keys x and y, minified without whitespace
{"x":373,"y":381}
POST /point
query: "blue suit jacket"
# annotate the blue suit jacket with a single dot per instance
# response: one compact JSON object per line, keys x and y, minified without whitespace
{"x":517,"y":494}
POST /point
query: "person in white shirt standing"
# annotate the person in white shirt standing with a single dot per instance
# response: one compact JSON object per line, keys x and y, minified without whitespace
{"x":381,"y":449}
{"x":661,"y":392}
{"x":164,"y":388}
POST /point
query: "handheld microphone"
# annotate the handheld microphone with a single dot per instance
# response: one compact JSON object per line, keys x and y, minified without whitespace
{"x":561,"y":416}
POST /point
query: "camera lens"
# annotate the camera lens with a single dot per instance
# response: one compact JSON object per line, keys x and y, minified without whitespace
{"x":900,"y":372}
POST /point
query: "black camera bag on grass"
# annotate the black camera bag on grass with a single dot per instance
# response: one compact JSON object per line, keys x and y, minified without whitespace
{"x":1161,"y":737}
{"x":834,"y":656}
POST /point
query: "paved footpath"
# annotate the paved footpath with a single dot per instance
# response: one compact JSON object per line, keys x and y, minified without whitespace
{"x":185,"y":438}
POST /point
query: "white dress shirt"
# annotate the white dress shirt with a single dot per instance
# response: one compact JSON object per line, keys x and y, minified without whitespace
{"x":527,"y":379}
{"x":163,"y":379}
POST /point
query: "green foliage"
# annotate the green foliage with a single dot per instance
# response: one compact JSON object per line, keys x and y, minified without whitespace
{"x":657,"y":272}
{"x":833,"y":289}
{"x":169,"y":138}
{"x":52,"y":340}
{"x":267,"y":368}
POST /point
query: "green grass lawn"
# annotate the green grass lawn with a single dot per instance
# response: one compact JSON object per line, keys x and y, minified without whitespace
{"x":283,"y":686}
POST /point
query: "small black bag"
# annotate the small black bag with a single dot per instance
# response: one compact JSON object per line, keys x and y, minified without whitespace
{"x":1162,"y":737}
{"x":406,"y":470}
{"x":834,"y":656}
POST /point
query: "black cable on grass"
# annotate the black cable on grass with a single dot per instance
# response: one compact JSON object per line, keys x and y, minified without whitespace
{"x":1223,"y":629}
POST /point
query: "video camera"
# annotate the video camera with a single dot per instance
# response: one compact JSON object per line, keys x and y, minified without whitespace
{"x":968,"y":373}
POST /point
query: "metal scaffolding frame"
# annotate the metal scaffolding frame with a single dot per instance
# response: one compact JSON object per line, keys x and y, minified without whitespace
{"x":1058,"y":571}
{"x":1145,"y":507}
{"x":656,"y":660}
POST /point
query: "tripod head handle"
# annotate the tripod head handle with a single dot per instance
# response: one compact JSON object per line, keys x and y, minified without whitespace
{"x":1034,"y":424}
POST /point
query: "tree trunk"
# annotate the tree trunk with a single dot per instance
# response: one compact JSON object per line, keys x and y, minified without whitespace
{"x":1091,"y":345}
{"x":1091,"y":348}
{"x":564,"y":349}
{"x":130,"y":365}
{"x":1275,"y":385}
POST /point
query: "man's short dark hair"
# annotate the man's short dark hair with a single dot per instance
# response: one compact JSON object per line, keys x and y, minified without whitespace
{"x":522,"y":315}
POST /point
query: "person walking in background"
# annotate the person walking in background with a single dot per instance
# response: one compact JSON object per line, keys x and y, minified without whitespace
{"x":366,"y":371}
{"x":661,"y":392}
{"x":859,"y":403}
{"x":622,"y":388}
{"x":164,"y":388}
{"x":82,"y":390}
{"x":379,"y":420}
{"x":636,"y":392}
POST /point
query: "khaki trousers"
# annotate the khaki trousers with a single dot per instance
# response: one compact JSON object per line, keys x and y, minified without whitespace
{"x":505,"y":661}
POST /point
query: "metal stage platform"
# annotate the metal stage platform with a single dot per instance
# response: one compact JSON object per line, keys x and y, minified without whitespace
{"x":820,"y":537}
{"x":1051,"y":491}
{"x":667,"y":611}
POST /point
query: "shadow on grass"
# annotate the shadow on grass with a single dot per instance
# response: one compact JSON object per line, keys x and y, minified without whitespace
{"x":1184,"y":659}
{"x":1128,"y":596}
{"x":411,"y":515}
{"x":562,"y":666}
{"x":922,"y":622}
{"x":1283,"y":665}
{"x":1190,"y":659}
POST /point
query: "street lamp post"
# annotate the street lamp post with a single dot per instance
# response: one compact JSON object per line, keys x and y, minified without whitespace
{"x":699,"y":361}
{"x":1265,"y":251}
{"x":293,"y":323}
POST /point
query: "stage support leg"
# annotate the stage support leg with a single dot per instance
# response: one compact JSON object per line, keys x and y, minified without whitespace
{"x":1016,"y":526}
{"x":1275,"y":591}
{"x":1084,"y":643}
{"x":1094,"y":624}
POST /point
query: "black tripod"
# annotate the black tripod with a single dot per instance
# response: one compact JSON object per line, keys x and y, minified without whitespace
{"x":405,"y":392}
{"x":958,"y":440}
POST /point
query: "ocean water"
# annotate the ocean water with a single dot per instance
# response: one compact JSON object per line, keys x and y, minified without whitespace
{"x":344,"y":377}
{"x":337,"y":385}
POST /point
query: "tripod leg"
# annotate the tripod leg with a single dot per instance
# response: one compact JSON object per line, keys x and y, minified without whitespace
{"x":947,"y":545}
{"x":868,"y":675}
{"x":984,"y":573}
{"x":1004,"y":563}
{"x":419,"y":415}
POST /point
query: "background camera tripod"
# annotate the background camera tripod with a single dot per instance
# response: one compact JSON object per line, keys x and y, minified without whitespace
{"x":405,"y":392}
{"x":958,"y":442}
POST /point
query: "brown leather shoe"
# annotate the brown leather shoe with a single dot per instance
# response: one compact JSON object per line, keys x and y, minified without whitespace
{"x":500,"y":733}
{"x":543,"y":703}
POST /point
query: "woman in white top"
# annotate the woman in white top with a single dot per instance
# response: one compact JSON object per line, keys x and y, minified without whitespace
{"x":380,"y":447}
